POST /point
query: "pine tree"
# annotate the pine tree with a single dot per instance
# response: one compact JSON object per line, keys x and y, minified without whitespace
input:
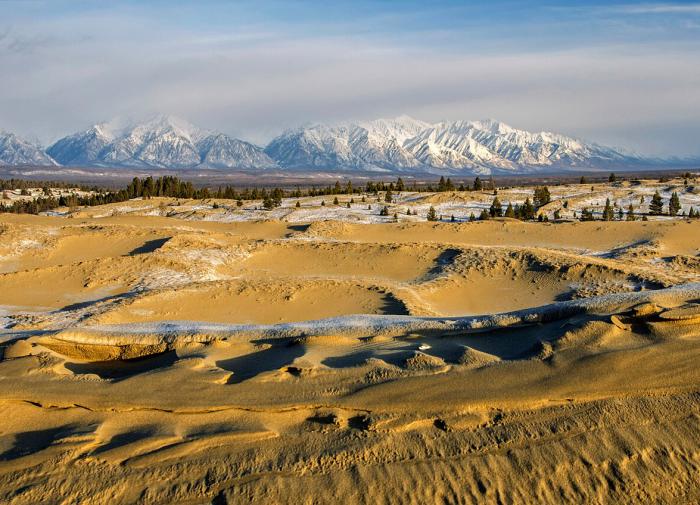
{"x":586,"y":215}
{"x":656,"y":207}
{"x":509,"y":211}
{"x":298,"y":204}
{"x":496,"y":209}
{"x":542,"y":196}
{"x":442,"y":186}
{"x":630,"y":213}
{"x":432,"y":214}
{"x":323,"y":203}
{"x":557,"y":215}
{"x":449,"y":186}
{"x":335,"y":201}
{"x":472,"y":217}
{"x":527,"y":211}
{"x":674,"y":206}
{"x":477,"y":184}
{"x":388,"y":197}
{"x":608,"y":213}
{"x":612,"y":178}
{"x":399,"y":184}
{"x":452,"y":218}
{"x":384,"y":211}
{"x":348,"y":205}
{"x":583,"y":180}
{"x":484,"y":215}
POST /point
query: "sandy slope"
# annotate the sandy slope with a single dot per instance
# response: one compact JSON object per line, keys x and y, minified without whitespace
{"x":587,"y":392}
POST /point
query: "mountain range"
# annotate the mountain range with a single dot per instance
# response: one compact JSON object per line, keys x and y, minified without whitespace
{"x":398,"y":145}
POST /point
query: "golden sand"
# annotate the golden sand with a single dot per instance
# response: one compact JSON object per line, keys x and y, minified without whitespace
{"x":149,"y":359}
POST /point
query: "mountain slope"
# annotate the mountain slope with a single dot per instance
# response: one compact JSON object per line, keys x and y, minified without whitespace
{"x":162,"y":142}
{"x":395,"y":145}
{"x":373,"y":145}
{"x":15,"y":150}
{"x":406,"y":144}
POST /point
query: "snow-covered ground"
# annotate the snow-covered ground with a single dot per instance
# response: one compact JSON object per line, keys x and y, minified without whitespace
{"x":569,"y":200}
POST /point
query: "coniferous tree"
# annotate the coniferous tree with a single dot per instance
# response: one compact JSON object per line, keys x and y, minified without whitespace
{"x":612,"y":177}
{"x":656,"y":207}
{"x":608,"y":213}
{"x":477,"y":184}
{"x":484,"y":215}
{"x":472,"y":217}
{"x":335,"y":201}
{"x":432,"y":214}
{"x":384,"y":211}
{"x":542,"y":196}
{"x":630,"y":213}
{"x":442,"y":185}
{"x":496,"y":209}
{"x":586,"y":215}
{"x":674,"y":205}
{"x":527,"y":211}
{"x":399,"y":184}
{"x":557,"y":215}
{"x":388,"y":197}
{"x":509,"y":211}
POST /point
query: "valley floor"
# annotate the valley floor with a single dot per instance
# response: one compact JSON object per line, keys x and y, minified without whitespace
{"x":157,"y":357}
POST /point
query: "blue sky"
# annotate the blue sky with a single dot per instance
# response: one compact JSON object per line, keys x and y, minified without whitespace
{"x":621,"y":73}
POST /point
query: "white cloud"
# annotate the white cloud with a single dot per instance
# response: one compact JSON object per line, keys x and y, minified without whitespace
{"x":253,"y":81}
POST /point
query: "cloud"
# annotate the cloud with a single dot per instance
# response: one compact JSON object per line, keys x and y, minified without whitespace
{"x":254,"y":79}
{"x":664,"y":8}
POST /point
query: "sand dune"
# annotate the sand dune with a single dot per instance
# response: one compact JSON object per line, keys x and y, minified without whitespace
{"x":154,"y":359}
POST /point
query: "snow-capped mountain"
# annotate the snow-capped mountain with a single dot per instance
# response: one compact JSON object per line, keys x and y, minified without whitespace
{"x":15,"y":150}
{"x":221,"y":151}
{"x":406,"y":144}
{"x":398,"y":145}
{"x":163,"y":142}
{"x":373,"y":145}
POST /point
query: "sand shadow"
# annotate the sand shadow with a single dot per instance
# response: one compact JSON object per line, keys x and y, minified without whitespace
{"x":117,"y":370}
{"x":250,"y":365}
{"x":393,"y":306}
{"x":123,"y":439}
{"x":298,"y":227}
{"x":149,"y":246}
{"x":88,"y":303}
{"x":29,"y":442}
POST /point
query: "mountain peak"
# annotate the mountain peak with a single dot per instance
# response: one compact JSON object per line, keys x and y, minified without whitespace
{"x":15,"y":150}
